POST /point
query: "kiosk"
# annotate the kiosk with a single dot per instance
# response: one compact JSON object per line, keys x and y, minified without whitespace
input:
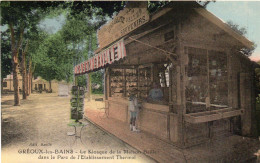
{"x":198,"y":62}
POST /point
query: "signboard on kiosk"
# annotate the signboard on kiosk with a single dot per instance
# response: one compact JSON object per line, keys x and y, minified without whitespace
{"x":134,"y":15}
{"x":108,"y":56}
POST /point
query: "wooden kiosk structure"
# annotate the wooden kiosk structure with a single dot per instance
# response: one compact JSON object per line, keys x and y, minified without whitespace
{"x":196,"y":59}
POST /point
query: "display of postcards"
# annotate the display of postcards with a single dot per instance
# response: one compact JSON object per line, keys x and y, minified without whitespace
{"x":73,"y":109}
{"x":80,"y":116}
{"x":81,"y":100}
{"x":74,"y":116}
{"x":80,"y":108}
{"x":75,"y":88}
{"x":75,"y":93}
{"x":74,"y":104}
{"x":81,"y":88}
{"x":81,"y":92}
{"x":74,"y":113}
{"x":73,"y":100}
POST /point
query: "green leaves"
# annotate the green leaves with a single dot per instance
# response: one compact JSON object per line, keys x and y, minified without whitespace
{"x":242,"y":31}
{"x":52,"y":59}
{"x":6,"y":56}
{"x":55,"y":55}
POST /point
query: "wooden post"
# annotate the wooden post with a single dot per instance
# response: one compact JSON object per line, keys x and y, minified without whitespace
{"x":208,"y":95}
{"x":230,"y":82}
{"x":124,"y":76}
{"x":152,"y":73}
{"x":170,"y":86}
{"x":184,"y":63}
{"x":245,"y":101}
{"x":254,"y":132}
{"x":108,"y":83}
{"x":181,"y":97}
{"x":89,"y":86}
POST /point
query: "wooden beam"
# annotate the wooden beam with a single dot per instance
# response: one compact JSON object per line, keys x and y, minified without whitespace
{"x":140,"y":35}
{"x":160,"y":13}
{"x":166,"y":53}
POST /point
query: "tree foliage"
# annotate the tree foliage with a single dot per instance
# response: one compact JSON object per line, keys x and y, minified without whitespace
{"x":6,"y":56}
{"x":242,"y":31}
{"x":21,"y":18}
{"x":53,"y":61}
{"x":97,"y":80}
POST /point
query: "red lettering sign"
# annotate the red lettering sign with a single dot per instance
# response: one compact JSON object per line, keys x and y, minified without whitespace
{"x":107,"y":56}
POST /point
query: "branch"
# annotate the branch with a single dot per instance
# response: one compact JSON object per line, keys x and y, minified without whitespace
{"x":31,"y":65}
{"x":26,"y":47}
{"x":24,"y":51}
{"x":21,"y":37}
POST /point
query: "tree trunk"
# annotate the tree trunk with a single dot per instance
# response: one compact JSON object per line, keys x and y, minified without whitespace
{"x":31,"y":84}
{"x":28,"y":83}
{"x":15,"y":82}
{"x":23,"y":66}
{"x":50,"y":90}
{"x":15,"y":50}
{"x":2,"y":87}
{"x":24,"y":80}
{"x":89,"y":88}
{"x":30,"y":71}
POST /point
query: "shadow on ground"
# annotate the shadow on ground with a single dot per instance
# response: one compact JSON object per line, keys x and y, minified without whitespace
{"x":14,"y":135}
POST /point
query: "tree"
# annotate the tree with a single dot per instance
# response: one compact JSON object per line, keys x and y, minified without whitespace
{"x":21,"y":18}
{"x":242,"y":31}
{"x":23,"y":70}
{"x":79,"y":33}
{"x":53,"y":60}
{"x":6,"y":56}
{"x":97,"y":79}
{"x":36,"y":38}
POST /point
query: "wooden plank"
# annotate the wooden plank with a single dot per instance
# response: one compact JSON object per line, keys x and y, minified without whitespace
{"x":120,"y":100}
{"x":163,"y":108}
{"x":212,"y":116}
{"x":160,"y":13}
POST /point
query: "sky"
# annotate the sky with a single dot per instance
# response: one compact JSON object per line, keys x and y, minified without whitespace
{"x":245,"y":14}
{"x":52,"y":25}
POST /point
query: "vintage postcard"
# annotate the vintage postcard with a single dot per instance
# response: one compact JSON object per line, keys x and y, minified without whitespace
{"x":130,"y":81}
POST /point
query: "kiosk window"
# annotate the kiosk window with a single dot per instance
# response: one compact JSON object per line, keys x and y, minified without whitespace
{"x":207,"y":80}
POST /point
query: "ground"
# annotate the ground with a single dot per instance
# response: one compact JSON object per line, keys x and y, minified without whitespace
{"x":36,"y":131}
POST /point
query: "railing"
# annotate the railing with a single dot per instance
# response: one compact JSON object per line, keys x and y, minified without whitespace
{"x":213,"y":115}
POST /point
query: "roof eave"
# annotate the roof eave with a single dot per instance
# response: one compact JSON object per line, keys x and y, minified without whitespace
{"x":215,"y":20}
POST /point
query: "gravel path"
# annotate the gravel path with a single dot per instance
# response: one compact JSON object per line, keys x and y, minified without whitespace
{"x":37,"y":130}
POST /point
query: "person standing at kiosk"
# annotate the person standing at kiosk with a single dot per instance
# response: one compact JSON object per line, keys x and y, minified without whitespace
{"x":133,"y":107}
{"x":155,"y":94}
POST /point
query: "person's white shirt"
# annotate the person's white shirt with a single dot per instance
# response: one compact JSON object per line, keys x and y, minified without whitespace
{"x":133,"y":104}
